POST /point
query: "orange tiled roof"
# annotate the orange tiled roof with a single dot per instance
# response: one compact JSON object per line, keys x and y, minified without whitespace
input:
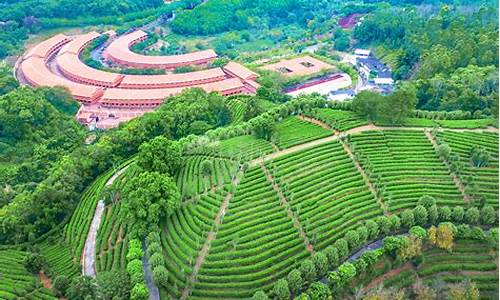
{"x":45,"y":48}
{"x":239,"y":70}
{"x":182,"y":79}
{"x":79,"y":42}
{"x":119,"y":50}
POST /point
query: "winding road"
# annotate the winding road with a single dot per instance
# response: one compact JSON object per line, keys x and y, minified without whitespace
{"x":88,"y":256}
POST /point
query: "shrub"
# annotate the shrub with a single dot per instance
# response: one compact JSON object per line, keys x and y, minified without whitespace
{"x":35,"y":262}
{"x":260,"y":295}
{"x":488,"y":215}
{"x":419,"y":232}
{"x":308,"y":270}
{"x":407,"y":218}
{"x":156,"y":260}
{"x":153,"y":237}
{"x":153,"y":248}
{"x":318,"y":291}
{"x":139,"y":292}
{"x":342,"y":248}
{"x":352,"y":238}
{"x":444,"y":213}
{"x":457,"y":214}
{"x":135,"y":271}
{"x":295,"y":282}
{"x":420,"y":214}
{"x":472,"y":215}
{"x":60,"y":286}
{"x":281,"y":290}
{"x":426,"y":201}
{"x":134,"y":250}
{"x":395,"y":222}
{"x":321,"y":263}
{"x":433,"y":215}
{"x":373,"y":228}
{"x":332,"y":255}
{"x":160,"y":276}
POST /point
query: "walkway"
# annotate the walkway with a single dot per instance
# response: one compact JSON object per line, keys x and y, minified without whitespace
{"x":210,"y":237}
{"x":154,"y":293}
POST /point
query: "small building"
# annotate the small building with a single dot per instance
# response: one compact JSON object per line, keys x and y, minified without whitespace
{"x":374,"y":71}
{"x":341,"y":95}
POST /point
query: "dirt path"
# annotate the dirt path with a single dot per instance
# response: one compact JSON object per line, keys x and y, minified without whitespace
{"x":45,"y":280}
{"x":378,"y":280}
{"x":288,"y":209}
{"x":210,"y":237}
{"x":355,"y":130}
{"x":456,"y":179}
{"x":316,"y":122}
{"x":367,"y":180}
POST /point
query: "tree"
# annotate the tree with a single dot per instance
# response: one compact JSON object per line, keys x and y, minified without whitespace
{"x":206,"y":167}
{"x":308,"y":270}
{"x":442,"y":236}
{"x":160,"y":276}
{"x":321,"y":263}
{"x":343,"y":275}
{"x":420,"y":214}
{"x":423,"y":292}
{"x":444,"y":213}
{"x":318,"y":291}
{"x":392,"y":244}
{"x":281,"y":290}
{"x":373,"y":229}
{"x":160,"y":155}
{"x":113,"y":285}
{"x":433,"y":214}
{"x":295,"y":282}
{"x":253,"y":108}
{"x":352,"y":238}
{"x":457,"y":214}
{"x":264,"y":129}
{"x":135,"y":271}
{"x":134,"y":250}
{"x":366,"y":104}
{"x":488,"y":215}
{"x":426,"y":201}
{"x":148,"y":198}
{"x":412,"y":247}
{"x":332,"y":255}
{"x":463,"y":291}
{"x":395,"y":222}
{"x":82,"y":288}
{"x":443,"y":151}
{"x":479,"y":157}
{"x":419,"y":232}
{"x":35,"y":263}
{"x":397,"y":106}
{"x":156,"y":260}
{"x":61,"y":285}
{"x":408,"y":218}
{"x":472,"y":216}
{"x":139,"y":292}
{"x":260,"y":295}
{"x":384,"y":225}
{"x":342,"y":248}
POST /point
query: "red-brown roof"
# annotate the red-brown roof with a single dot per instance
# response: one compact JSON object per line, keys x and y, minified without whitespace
{"x":119,"y":51}
{"x":45,"y":48}
{"x":239,"y":70}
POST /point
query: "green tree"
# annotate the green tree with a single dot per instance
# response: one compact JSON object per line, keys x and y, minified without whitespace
{"x":82,"y":288}
{"x":318,"y":291}
{"x":35,"y":263}
{"x":321,"y":263}
{"x":373,"y":229}
{"x":160,"y":155}
{"x":295,"y":281}
{"x":308,"y":270}
{"x":160,"y":276}
{"x":472,"y":215}
{"x":139,"y":292}
{"x":397,"y":106}
{"x":342,"y":248}
{"x":479,"y":157}
{"x":420,"y":214}
{"x":148,"y":198}
{"x":61,"y":285}
{"x":457,"y":214}
{"x":281,"y":290}
{"x":260,"y":295}
{"x":407,"y":218}
{"x":332,"y":255}
{"x":113,"y":285}
{"x":488,"y":215}
{"x":366,"y":104}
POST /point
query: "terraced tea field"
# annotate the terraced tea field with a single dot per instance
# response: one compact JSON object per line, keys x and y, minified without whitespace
{"x":255,"y":245}
{"x":16,"y":282}
{"x":325,"y":190}
{"x":486,"y":178}
{"x":340,"y":120}
{"x":293,"y":131}
{"x":406,"y":167}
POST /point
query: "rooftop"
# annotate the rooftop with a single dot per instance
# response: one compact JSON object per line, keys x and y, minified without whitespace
{"x":79,"y":42}
{"x":304,"y":65}
{"x":240,"y":70}
{"x":44,"y":48}
{"x":119,"y":50}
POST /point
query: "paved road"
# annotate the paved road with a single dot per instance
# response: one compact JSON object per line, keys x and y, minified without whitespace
{"x":154,"y":293}
{"x":89,"y":249}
